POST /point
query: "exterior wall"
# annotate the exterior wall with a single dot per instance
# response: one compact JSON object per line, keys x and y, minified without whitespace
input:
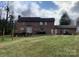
{"x":35,"y":27}
{"x":70,"y":30}
{"x":77,"y":30}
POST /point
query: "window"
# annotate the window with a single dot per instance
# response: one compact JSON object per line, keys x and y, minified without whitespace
{"x":64,"y":31}
{"x":29,"y":29}
{"x":45,"y":23}
{"x":77,"y":29}
{"x":55,"y":31}
{"x":41,"y":23}
{"x":51,"y":31}
{"x":21,"y":28}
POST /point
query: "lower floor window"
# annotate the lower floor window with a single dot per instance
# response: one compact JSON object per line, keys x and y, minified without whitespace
{"x":55,"y":31}
{"x":51,"y":31}
{"x":29,"y":29}
{"x":21,"y":28}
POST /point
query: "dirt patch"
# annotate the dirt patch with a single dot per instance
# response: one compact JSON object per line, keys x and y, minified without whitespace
{"x":2,"y":46}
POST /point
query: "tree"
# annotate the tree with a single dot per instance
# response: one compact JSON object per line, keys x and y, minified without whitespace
{"x":5,"y":22}
{"x":12,"y":25}
{"x":65,"y":20}
{"x":6,"y":25}
{"x":7,"y":16}
{"x":3,"y":28}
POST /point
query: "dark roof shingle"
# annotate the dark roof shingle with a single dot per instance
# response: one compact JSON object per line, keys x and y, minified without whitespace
{"x":35,"y":19}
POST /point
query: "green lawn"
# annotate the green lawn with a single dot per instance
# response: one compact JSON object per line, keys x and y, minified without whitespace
{"x":40,"y":46}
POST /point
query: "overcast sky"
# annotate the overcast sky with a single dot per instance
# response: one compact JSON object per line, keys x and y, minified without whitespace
{"x":44,"y":9}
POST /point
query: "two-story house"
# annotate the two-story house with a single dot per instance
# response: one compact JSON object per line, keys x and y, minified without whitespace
{"x":34,"y":25}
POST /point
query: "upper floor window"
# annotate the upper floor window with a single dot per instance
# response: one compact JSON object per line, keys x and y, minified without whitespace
{"x":45,"y":23}
{"x":41,"y":23}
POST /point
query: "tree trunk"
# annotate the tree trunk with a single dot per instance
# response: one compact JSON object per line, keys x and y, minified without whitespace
{"x":12,"y":33}
{"x":3,"y":34}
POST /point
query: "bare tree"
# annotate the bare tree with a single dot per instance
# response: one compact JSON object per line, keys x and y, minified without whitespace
{"x":7,"y":16}
{"x":4,"y":24}
{"x":12,"y":25}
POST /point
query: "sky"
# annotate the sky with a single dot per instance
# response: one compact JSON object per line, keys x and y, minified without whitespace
{"x":44,"y":9}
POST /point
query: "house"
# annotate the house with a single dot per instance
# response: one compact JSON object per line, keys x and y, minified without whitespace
{"x":65,"y":30}
{"x":77,"y":26}
{"x":34,"y":25}
{"x":37,"y":25}
{"x":66,"y":26}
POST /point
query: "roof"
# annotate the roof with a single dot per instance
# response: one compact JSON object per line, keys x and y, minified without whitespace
{"x":64,"y":26}
{"x":35,"y":19}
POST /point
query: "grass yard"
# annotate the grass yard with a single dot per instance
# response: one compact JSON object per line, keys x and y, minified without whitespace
{"x":40,"y":46}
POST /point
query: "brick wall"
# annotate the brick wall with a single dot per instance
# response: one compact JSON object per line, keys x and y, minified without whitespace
{"x":35,"y":27}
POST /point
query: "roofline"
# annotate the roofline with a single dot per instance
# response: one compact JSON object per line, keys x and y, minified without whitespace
{"x":53,"y":19}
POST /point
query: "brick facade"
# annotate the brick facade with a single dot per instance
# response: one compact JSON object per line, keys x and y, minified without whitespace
{"x":66,"y":28}
{"x":21,"y":27}
{"x":46,"y":25}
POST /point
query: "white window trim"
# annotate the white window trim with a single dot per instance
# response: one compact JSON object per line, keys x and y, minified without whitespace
{"x":41,"y":23}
